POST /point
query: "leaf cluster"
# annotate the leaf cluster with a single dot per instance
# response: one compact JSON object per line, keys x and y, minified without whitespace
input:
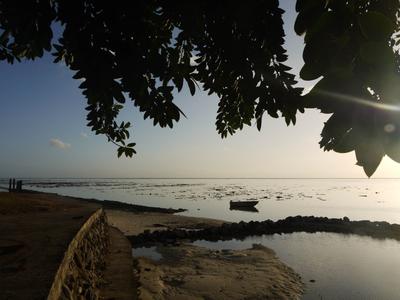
{"x":148,"y":50}
{"x":351,"y":45}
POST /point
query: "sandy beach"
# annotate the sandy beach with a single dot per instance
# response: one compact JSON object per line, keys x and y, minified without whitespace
{"x":36,"y":229}
{"x":131,"y":223}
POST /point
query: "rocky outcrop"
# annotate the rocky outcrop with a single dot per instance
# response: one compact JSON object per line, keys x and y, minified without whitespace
{"x":242,"y":229}
{"x":80,"y":273}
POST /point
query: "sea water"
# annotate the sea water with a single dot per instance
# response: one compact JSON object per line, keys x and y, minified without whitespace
{"x":358,"y":199}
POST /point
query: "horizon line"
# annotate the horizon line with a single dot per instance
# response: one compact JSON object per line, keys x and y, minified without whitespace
{"x":3,"y":178}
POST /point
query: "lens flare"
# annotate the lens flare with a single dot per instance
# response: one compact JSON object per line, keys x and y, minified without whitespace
{"x":358,"y":100}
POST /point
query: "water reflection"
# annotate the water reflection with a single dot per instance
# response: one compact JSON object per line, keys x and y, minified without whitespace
{"x":333,"y":266}
{"x":149,"y":252}
{"x":249,"y":209}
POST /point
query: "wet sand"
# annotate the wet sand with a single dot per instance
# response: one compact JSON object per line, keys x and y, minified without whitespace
{"x":134,"y":223}
{"x":190,"y":272}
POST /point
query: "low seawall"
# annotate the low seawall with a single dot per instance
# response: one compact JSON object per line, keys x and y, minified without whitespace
{"x":80,"y":272}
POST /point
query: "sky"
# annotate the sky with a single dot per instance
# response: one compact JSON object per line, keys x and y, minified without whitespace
{"x":43,"y":134}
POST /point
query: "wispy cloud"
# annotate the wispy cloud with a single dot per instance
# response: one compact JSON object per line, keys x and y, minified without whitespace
{"x":59,"y":144}
{"x":84,"y":135}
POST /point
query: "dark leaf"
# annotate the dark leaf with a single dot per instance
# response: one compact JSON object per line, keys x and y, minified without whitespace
{"x":376,"y":26}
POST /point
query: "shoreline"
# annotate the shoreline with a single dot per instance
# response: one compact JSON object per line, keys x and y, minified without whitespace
{"x":203,"y":229}
{"x":144,"y":224}
{"x":242,"y":229}
{"x":113,"y":204}
{"x":24,"y":210}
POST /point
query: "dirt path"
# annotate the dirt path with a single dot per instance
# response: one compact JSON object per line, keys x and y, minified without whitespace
{"x":120,"y":282}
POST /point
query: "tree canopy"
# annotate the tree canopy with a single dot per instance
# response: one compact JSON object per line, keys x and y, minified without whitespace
{"x":142,"y":51}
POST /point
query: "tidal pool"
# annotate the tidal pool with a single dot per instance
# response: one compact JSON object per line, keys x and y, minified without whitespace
{"x":149,"y":252}
{"x":333,"y":266}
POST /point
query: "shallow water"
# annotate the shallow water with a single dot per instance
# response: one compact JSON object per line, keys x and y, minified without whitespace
{"x":149,"y":252}
{"x":372,"y":199}
{"x":333,"y":266}
{"x":343,"y":266}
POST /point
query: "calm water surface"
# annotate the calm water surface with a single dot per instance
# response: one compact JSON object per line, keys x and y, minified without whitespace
{"x":343,"y":266}
{"x":372,"y":199}
{"x":333,"y":266}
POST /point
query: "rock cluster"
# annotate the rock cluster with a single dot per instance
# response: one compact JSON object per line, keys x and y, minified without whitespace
{"x":242,"y":229}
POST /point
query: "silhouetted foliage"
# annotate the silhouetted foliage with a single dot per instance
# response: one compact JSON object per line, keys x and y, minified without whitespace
{"x":351,"y":44}
{"x":144,"y":50}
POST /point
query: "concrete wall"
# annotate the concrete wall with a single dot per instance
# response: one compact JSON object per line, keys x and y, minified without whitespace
{"x":80,"y":273}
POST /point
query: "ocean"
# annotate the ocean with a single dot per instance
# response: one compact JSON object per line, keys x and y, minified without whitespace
{"x":358,"y":199}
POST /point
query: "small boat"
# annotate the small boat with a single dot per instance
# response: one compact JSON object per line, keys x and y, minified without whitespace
{"x":251,"y":203}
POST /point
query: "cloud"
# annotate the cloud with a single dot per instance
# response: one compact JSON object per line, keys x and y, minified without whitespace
{"x":59,"y":144}
{"x":84,"y":135}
